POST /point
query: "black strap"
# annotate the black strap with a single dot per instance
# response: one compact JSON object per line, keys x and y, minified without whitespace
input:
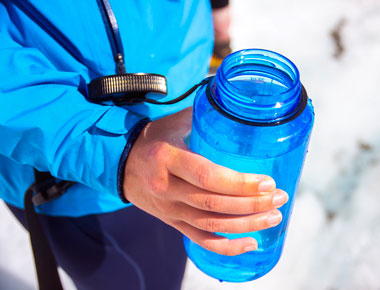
{"x":43,"y":190}
{"x":46,"y":266}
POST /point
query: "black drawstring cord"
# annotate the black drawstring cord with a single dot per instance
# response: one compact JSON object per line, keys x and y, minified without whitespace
{"x":170,"y":102}
{"x":181,"y":97}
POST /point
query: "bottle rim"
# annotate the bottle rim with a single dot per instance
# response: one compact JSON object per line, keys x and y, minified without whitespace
{"x":276,"y":88}
{"x":298,"y":110}
{"x":244,"y":53}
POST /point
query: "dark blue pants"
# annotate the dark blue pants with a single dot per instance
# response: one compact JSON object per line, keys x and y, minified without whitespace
{"x":127,"y":249}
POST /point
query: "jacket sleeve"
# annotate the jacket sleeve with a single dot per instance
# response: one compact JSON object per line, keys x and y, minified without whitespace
{"x":46,"y":121}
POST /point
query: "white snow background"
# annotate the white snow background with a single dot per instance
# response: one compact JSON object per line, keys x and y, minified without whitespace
{"x":334,"y":235}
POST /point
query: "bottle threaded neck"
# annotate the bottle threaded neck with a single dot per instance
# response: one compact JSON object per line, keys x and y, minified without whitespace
{"x":257,"y":85}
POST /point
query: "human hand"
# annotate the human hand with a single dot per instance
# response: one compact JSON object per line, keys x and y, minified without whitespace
{"x":197,"y":197}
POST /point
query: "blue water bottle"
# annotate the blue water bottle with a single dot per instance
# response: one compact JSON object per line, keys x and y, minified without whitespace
{"x":254,"y":116}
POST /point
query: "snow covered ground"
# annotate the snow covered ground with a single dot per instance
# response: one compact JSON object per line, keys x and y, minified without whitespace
{"x":334,"y":236}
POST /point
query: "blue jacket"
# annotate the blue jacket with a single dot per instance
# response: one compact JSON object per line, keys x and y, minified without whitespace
{"x":49,"y":51}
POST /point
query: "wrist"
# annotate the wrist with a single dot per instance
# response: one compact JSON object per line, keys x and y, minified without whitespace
{"x":135,"y":132}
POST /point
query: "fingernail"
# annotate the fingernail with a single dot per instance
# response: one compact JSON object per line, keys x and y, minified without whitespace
{"x":274,"y":218}
{"x":280,"y":198}
{"x":267,"y":185}
{"x":250,"y":248}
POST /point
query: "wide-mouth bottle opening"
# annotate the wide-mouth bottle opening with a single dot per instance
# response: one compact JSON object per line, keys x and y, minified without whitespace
{"x":258,"y":85}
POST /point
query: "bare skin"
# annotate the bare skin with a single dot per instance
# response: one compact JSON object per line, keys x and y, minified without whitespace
{"x":222,"y":21}
{"x":166,"y":179}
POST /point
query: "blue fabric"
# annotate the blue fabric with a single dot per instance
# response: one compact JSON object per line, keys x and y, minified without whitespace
{"x":49,"y":51}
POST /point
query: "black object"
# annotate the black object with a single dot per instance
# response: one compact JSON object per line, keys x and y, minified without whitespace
{"x":125,"y":89}
{"x":46,"y":266}
{"x":216,"y":4}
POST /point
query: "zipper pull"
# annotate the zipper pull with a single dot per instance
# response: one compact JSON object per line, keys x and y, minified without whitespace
{"x":120,"y":63}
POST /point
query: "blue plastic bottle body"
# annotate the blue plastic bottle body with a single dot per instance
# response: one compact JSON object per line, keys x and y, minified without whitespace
{"x":248,"y":87}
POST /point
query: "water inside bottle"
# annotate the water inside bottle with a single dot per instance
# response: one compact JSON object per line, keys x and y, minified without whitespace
{"x":253,"y":264}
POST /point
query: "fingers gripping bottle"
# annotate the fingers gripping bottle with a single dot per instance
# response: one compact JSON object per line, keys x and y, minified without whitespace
{"x":254,"y":117}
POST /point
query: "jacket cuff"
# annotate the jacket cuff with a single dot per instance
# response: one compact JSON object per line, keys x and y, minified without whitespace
{"x":135,"y":132}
